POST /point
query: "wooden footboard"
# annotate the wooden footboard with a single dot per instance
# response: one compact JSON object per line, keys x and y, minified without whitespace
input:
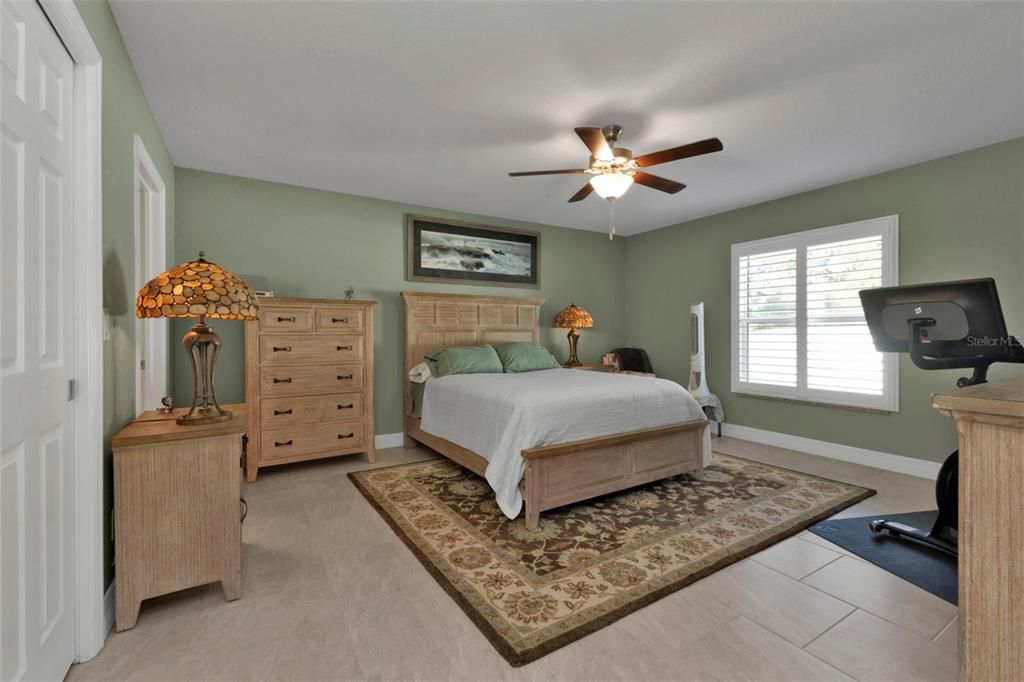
{"x":557,"y":475}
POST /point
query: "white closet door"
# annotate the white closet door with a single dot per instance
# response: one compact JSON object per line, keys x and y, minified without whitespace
{"x":37,"y":598}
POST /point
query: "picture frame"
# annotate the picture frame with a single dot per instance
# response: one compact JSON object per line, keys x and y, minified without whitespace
{"x":456,"y":252}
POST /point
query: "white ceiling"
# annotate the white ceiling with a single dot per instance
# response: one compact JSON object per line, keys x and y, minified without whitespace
{"x":432,"y":103}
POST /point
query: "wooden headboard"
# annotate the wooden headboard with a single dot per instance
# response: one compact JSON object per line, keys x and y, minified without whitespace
{"x":436,"y":321}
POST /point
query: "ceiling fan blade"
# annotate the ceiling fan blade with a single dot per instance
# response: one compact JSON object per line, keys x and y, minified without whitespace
{"x":598,"y":146}
{"x":582,"y":194}
{"x":565,"y":171}
{"x":684,"y":152}
{"x":655,"y":182}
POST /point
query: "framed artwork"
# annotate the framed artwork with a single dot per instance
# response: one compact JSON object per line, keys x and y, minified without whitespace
{"x":462,"y":253}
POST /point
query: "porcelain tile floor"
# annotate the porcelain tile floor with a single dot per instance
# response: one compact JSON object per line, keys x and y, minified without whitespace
{"x":330,"y":593}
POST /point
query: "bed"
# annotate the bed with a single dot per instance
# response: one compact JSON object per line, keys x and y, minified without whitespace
{"x":580,"y":458}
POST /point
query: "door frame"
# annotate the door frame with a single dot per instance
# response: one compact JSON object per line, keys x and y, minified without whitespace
{"x":91,"y":624}
{"x":150,"y":260}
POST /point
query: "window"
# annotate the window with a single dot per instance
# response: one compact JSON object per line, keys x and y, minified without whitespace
{"x":798,"y":328}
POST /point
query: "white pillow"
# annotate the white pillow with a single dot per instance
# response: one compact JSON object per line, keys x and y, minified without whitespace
{"x":420,"y":373}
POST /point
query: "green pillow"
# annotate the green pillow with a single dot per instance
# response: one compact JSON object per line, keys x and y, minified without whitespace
{"x":464,"y":360}
{"x":525,"y":356}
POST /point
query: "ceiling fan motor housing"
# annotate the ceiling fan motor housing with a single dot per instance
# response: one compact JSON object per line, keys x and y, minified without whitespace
{"x":611,"y":134}
{"x":620,"y":155}
{"x":621,"y":158}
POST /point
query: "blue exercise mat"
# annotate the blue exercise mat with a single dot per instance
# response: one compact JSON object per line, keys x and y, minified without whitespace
{"x":929,"y":569}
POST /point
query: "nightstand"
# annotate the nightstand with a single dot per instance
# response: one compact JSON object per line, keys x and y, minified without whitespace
{"x":593,"y":367}
{"x":177,"y":508}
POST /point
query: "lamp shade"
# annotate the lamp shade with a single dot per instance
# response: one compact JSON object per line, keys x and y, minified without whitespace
{"x":197,"y":288}
{"x":573,"y":317}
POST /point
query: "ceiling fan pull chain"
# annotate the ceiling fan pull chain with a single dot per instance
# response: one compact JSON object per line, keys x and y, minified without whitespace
{"x":611,"y":217}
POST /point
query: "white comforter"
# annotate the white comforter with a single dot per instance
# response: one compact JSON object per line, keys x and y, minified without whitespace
{"x":499,"y":415}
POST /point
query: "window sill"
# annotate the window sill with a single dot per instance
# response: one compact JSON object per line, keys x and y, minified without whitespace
{"x":816,"y":403}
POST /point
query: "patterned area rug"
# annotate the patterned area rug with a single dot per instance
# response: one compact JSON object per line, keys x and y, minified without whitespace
{"x":591,"y":563}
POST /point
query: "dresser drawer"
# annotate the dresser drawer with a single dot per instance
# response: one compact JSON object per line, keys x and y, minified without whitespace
{"x":310,"y":379}
{"x":278,"y":412}
{"x":339,"y":319}
{"x":286,"y":349}
{"x":296,"y":441}
{"x":281,"y":319}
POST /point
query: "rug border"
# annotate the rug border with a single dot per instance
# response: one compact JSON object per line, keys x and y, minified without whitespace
{"x":520,"y":658}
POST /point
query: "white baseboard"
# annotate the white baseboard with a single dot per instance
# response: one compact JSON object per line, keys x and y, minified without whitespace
{"x":108,"y":609}
{"x":846,"y":453}
{"x":388,"y":440}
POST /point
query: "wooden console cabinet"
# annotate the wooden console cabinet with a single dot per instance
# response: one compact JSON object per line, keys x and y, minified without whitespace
{"x":990,"y":423}
{"x":177,"y":508}
{"x":308,"y":381}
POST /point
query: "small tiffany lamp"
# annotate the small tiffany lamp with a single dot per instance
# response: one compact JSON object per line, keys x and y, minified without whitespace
{"x":573,"y":318}
{"x":203,"y":290}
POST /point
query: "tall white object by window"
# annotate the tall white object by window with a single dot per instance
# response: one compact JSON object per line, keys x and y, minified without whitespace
{"x":798,"y":331}
{"x":698,"y":387}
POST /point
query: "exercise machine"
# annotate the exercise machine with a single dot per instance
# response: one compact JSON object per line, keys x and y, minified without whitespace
{"x":944,"y":325}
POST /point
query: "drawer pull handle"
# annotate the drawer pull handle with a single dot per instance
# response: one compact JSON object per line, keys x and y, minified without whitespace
{"x":347,"y":435}
{"x":277,"y":412}
{"x":278,"y":444}
{"x":283,"y":381}
{"x":341,"y":320}
{"x":286,"y":319}
{"x":344,"y":347}
{"x":344,"y":376}
{"x":346,"y":407}
{"x":286,"y":349}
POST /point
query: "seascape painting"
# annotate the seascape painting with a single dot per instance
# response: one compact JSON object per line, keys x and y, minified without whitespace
{"x":442,"y":251}
{"x":471,"y":254}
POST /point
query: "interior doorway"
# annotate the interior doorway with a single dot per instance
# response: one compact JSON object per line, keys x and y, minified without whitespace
{"x":151,"y":335}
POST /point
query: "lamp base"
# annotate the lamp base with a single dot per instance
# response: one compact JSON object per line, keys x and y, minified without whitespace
{"x":574,"y":339}
{"x":200,"y":416}
{"x":202,"y":345}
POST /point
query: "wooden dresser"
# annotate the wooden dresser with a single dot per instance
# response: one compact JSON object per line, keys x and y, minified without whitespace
{"x":308,"y":381}
{"x":177,"y":509}
{"x":990,"y":422}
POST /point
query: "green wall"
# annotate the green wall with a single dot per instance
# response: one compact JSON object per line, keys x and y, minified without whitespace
{"x":125,"y":114}
{"x":960,"y":216}
{"x":315,"y":243}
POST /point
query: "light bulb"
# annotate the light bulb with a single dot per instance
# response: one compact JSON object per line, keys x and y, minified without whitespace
{"x":611,"y":185}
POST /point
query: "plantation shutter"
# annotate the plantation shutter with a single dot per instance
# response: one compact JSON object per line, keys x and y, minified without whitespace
{"x":767,"y":318}
{"x":840,"y":354}
{"x":798,"y":327}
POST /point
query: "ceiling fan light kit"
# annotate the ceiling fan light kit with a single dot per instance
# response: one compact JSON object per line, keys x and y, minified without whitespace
{"x":611,"y":185}
{"x":615,"y":169}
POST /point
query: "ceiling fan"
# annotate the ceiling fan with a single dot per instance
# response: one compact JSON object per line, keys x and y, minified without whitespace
{"x":615,"y":169}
